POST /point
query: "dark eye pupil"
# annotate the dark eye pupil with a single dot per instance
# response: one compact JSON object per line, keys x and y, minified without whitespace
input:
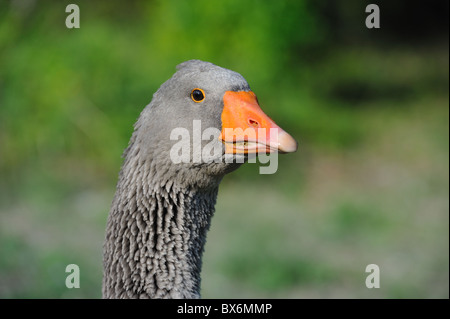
{"x":197,"y":95}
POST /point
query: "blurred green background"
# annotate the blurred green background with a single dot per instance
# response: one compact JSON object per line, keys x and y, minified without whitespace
{"x":369,"y":184}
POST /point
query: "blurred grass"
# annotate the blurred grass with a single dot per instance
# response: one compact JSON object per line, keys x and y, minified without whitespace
{"x":369,"y":183}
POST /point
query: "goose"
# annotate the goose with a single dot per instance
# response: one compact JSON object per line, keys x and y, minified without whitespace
{"x":162,"y":209}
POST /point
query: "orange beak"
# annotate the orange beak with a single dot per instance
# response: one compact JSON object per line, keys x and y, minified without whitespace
{"x":247,"y":130}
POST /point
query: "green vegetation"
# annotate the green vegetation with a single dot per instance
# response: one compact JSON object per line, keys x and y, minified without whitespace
{"x":369,"y":183}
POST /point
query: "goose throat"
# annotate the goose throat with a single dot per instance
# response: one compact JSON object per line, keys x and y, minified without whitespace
{"x":159,"y":251}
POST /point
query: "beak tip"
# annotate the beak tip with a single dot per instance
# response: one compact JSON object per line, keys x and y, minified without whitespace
{"x":286,"y":143}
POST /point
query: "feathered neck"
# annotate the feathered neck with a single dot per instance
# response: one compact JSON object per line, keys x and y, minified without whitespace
{"x":156,"y":232}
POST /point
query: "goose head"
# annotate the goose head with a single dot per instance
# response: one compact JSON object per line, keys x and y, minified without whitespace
{"x":205,"y":120}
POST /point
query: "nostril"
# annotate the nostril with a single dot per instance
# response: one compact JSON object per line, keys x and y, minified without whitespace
{"x":253,"y":123}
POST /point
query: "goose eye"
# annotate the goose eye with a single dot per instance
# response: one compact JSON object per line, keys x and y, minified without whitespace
{"x":197,"y":95}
